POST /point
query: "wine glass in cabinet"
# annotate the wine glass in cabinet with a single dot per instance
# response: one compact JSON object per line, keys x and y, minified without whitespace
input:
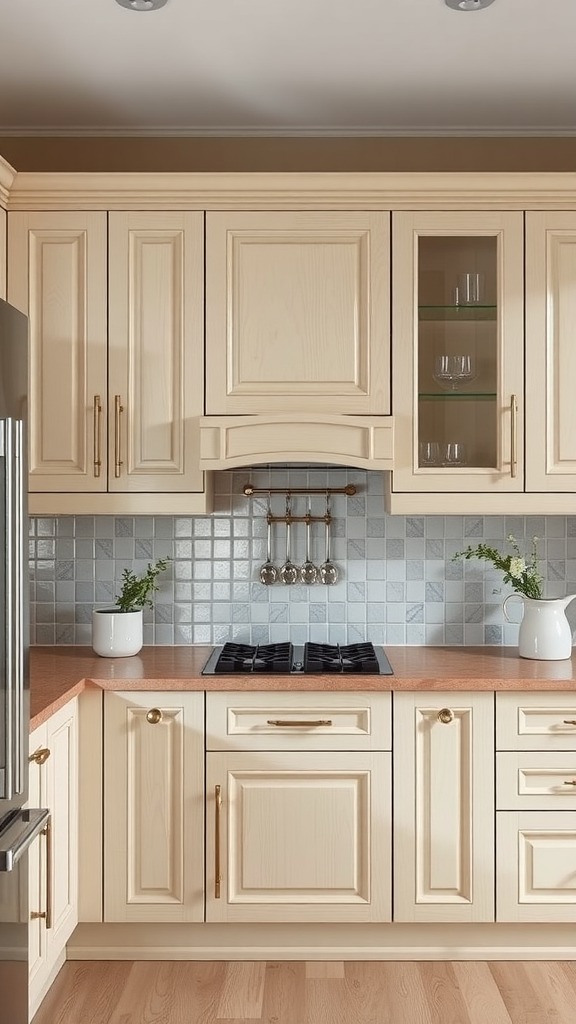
{"x":457,"y":351}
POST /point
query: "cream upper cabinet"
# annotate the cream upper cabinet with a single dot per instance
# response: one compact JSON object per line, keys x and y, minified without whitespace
{"x":298,"y":804}
{"x":57,"y":276}
{"x":2,"y":253}
{"x":116,"y":323}
{"x":297,"y":338}
{"x":153,"y":806}
{"x":53,"y":868}
{"x":550,"y":351}
{"x":297,"y":312}
{"x":458,"y":353}
{"x":444,"y":807}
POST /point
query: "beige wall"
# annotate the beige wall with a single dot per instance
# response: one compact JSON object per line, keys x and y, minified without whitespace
{"x":288,"y":154}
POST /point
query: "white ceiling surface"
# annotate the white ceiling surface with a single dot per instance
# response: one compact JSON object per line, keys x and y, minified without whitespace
{"x":288,"y":67}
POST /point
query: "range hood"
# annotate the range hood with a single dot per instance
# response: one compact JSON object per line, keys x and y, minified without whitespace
{"x":228,"y":442}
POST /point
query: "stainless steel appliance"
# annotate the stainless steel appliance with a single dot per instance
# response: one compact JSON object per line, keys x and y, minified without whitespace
{"x":19,"y":825}
{"x":291,"y":659}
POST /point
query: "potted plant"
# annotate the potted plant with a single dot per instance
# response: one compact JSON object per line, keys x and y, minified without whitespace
{"x":117,"y":632}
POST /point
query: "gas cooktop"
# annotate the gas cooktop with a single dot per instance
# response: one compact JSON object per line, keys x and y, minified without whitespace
{"x":291,"y":659}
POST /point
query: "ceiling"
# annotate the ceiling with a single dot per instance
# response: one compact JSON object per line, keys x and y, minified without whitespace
{"x":310,"y":67}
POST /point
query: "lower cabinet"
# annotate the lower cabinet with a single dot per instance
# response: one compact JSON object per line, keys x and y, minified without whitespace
{"x":536,"y":807}
{"x":444,"y":807}
{"x":298,"y":807}
{"x":153,"y":806}
{"x":53,"y":859}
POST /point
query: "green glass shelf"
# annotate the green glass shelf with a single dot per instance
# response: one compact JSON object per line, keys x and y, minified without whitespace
{"x":457,"y":313}
{"x":457,"y":396}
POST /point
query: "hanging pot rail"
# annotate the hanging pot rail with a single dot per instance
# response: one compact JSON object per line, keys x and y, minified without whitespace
{"x":349,"y":490}
{"x":289,"y":518}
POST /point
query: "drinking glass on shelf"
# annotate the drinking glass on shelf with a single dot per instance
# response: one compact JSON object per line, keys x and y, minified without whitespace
{"x":429,"y":453}
{"x":454,"y":453}
{"x":469,"y":290}
{"x":454,"y":371}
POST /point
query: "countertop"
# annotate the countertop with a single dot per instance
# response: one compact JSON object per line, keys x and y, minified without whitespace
{"x":59,"y":673}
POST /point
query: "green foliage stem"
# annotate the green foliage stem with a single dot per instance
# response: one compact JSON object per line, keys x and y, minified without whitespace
{"x":136,"y":590}
{"x":521,"y":573}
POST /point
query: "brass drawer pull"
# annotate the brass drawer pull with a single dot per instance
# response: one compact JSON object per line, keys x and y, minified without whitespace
{"x":298,"y":725}
{"x":154,"y":716}
{"x":46,"y":915}
{"x":569,"y":721}
{"x":40,"y":756}
{"x":217,"y":872}
{"x":572,"y":783}
{"x":445,"y":715}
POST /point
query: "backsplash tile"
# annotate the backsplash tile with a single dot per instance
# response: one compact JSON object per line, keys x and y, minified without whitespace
{"x":397,"y":583}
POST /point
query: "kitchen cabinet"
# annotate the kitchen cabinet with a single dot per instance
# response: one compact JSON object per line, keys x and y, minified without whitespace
{"x":53,"y":860}
{"x":2,"y":253}
{"x":115,"y":303}
{"x":153,"y":806}
{"x":458,"y":355}
{"x":550,"y":353}
{"x":536,"y":807}
{"x":297,"y":338}
{"x":298,"y":798}
{"x":444,"y":807}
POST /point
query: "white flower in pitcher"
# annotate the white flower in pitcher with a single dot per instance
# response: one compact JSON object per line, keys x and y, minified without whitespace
{"x":517,"y":567}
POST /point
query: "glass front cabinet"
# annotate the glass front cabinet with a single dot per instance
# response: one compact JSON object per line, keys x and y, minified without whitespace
{"x":458,"y":351}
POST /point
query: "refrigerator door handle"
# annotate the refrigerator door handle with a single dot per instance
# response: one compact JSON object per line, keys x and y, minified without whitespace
{"x":19,"y":834}
{"x":11,"y":448}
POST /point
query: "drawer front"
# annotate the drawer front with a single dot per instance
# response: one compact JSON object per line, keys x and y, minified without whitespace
{"x":536,"y":721}
{"x":298,"y":721}
{"x":536,"y":780}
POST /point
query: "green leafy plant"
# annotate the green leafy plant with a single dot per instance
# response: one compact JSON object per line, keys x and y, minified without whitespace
{"x":136,"y":590}
{"x":521,"y":572}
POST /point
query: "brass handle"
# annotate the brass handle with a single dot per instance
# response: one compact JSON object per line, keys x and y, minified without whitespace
{"x":46,"y":915}
{"x":572,"y":783}
{"x":514,"y":436}
{"x":298,"y":725}
{"x":445,"y":715}
{"x":217,"y":873}
{"x":118,"y":410}
{"x":569,"y":721}
{"x":40,"y":756}
{"x":97,"y":437}
{"x":154,"y":716}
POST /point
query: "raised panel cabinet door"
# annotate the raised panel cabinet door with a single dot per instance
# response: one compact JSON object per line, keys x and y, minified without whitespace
{"x":297,"y":312}
{"x":536,"y":866}
{"x":57,"y":276}
{"x":156,"y":351}
{"x":443,"y":807}
{"x":153,"y":806}
{"x":36,"y":876}
{"x":458,"y":352}
{"x":550,"y":351}
{"x":298,"y":837}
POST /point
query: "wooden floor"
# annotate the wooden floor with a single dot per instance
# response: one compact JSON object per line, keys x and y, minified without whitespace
{"x":196,"y":992}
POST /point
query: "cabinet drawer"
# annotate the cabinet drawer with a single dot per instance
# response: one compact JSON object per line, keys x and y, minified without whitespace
{"x":536,"y":780}
{"x":298,"y":721}
{"x":534,"y":721}
{"x":535,"y":866}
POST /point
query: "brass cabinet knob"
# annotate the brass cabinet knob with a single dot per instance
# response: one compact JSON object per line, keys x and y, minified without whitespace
{"x":445,"y":715}
{"x":154,"y":716}
{"x":40,"y":756}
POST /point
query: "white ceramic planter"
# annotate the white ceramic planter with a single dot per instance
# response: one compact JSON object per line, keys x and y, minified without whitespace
{"x":116,"y":634}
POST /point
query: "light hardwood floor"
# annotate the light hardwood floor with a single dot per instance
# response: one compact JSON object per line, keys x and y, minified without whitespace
{"x":312,"y":992}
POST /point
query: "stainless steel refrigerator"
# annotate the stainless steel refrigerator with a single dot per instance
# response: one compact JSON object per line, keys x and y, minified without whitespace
{"x":19,"y":825}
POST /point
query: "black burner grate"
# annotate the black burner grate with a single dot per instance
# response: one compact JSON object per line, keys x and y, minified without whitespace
{"x":360,"y":658}
{"x":271,"y":658}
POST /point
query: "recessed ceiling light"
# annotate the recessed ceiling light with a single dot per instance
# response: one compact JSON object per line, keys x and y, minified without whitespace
{"x":463,"y":5}
{"x":142,"y":5}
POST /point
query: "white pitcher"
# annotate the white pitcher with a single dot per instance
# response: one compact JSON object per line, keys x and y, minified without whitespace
{"x":545,"y":633}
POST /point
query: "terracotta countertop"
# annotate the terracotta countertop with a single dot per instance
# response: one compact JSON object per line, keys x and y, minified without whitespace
{"x":59,"y":673}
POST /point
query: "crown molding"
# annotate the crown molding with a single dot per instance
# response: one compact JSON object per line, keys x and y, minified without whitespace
{"x":273,"y":132}
{"x":296,"y":190}
{"x":7,"y":176}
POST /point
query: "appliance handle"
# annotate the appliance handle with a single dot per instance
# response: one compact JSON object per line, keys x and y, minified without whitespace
{"x":19,"y":834}
{"x":19,"y":609}
{"x":7,"y":788}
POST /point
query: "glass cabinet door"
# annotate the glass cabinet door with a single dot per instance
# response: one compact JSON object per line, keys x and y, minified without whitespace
{"x":457,"y":351}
